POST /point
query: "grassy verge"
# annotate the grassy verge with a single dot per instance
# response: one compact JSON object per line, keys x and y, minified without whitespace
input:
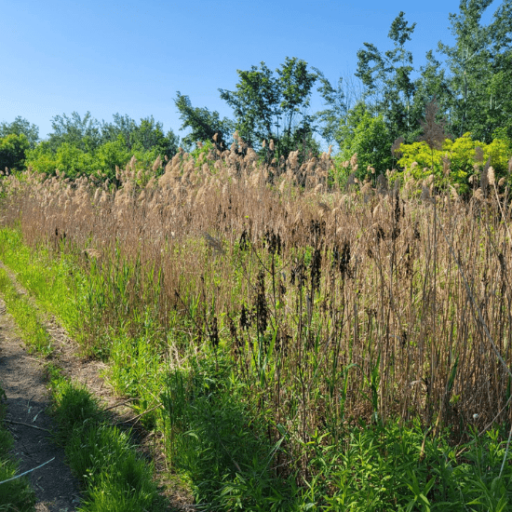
{"x":217,"y":426}
{"x":26,"y":317}
{"x":55,"y":282}
{"x":103,"y":457}
{"x":15,"y":495}
{"x":214,"y":435}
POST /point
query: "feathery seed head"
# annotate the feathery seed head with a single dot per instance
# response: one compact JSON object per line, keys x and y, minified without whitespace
{"x":491,"y":176}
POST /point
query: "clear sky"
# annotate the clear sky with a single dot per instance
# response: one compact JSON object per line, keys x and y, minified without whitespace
{"x":60,"y":56}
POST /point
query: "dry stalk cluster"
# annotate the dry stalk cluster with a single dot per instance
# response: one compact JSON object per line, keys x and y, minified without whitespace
{"x":367,"y":301}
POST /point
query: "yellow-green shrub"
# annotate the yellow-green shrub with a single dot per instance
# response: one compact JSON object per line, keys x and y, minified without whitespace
{"x":460,"y":156}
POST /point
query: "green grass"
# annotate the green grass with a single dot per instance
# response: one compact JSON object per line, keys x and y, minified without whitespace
{"x":103,"y":457}
{"x":16,"y":495}
{"x":55,"y":282}
{"x":218,"y":437}
{"x":26,"y":316}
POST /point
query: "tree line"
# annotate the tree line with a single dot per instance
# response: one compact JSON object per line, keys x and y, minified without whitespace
{"x":372,"y":114}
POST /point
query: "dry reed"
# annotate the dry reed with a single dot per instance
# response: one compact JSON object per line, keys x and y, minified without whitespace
{"x":381,"y":302}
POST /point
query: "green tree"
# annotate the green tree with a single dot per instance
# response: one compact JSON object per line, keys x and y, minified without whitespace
{"x":67,"y":158}
{"x":273,"y":106}
{"x":336,"y":107}
{"x":479,"y":62}
{"x":21,"y":126}
{"x":84,"y":146}
{"x":389,"y":87}
{"x":111,"y":154}
{"x":202,"y":123}
{"x":431,"y":85}
{"x":121,"y":126}
{"x":369,"y":137}
{"x":147,"y":135}
{"x":83,"y":133}
{"x":13,"y":149}
{"x":74,"y":162}
{"x":499,"y":89}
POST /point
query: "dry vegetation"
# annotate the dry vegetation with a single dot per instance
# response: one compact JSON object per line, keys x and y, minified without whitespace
{"x":333,"y":303}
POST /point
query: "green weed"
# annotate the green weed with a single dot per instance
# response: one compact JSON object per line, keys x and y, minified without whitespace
{"x":26,"y":317}
{"x":219,"y":439}
{"x":103,"y":457}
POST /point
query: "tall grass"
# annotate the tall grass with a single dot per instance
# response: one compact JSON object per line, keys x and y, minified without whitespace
{"x":333,"y":307}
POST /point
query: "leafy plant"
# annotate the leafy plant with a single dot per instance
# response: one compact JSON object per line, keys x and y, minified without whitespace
{"x":13,"y":150}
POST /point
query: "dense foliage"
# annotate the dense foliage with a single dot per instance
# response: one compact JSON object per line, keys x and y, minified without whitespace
{"x":83,"y":146}
{"x":457,"y":160}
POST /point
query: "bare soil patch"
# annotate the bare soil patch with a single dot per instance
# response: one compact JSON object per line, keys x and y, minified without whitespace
{"x":22,"y":378}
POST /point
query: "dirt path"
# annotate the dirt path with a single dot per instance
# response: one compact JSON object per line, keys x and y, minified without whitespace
{"x":21,"y":377}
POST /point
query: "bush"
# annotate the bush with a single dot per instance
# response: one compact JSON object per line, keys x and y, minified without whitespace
{"x":12,"y":151}
{"x":460,"y":156}
{"x":73,"y":161}
{"x":370,"y":139}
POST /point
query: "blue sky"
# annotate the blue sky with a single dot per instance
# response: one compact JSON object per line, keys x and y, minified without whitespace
{"x":132,"y":56}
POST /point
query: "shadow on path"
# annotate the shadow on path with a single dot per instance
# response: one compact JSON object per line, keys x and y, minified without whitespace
{"x":21,"y":377}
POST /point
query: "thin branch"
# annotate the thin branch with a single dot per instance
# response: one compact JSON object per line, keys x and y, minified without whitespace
{"x":28,"y":425}
{"x":120,"y":403}
{"x":27,"y":472}
{"x":136,"y":418}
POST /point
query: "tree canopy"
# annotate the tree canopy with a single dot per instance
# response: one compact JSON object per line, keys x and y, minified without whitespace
{"x":20,"y":126}
{"x":202,"y":123}
{"x":273,"y":105}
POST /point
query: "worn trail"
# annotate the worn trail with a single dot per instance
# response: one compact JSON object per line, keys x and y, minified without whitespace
{"x":27,"y":398}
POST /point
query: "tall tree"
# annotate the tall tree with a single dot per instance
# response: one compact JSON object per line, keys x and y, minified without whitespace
{"x":479,"y":62}
{"x":21,"y":126}
{"x":273,"y":106}
{"x":389,"y":88}
{"x":121,"y":126}
{"x":146,"y":135}
{"x":202,"y":123}
{"x":499,"y":89}
{"x":13,"y":149}
{"x":82,"y":133}
{"x":432,"y":84}
{"x":367,"y":136}
{"x":336,"y":106}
